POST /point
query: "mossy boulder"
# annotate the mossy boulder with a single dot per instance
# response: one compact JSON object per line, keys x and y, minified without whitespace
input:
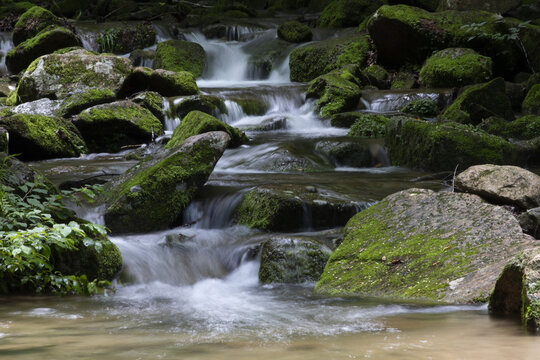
{"x":479,"y":102}
{"x":77,"y":102}
{"x":32,"y":22}
{"x":345,"y":119}
{"x":178,"y":55}
{"x":346,"y":153}
{"x":312,"y":60}
{"x":164,"y":82}
{"x":419,"y":244}
{"x":455,"y":67}
{"x":403,"y":81}
{"x":369,"y":126}
{"x":57,"y":76}
{"x":37,"y":137}
{"x":517,"y":290}
{"x":347,"y":13}
{"x":45,"y":42}
{"x":294,"y":31}
{"x":335,"y":94}
{"x":292,"y":260}
{"x":210,"y":104}
{"x":108,"y":127}
{"x":151,"y":101}
{"x":525,"y":128}
{"x":153,"y":194}
{"x":531,"y":104}
{"x":294,"y":207}
{"x":125,"y":39}
{"x":197,"y":122}
{"x":443,"y":146}
{"x":421,"y":107}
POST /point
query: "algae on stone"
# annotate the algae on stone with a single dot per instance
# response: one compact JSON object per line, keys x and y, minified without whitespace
{"x":335,"y":93}
{"x":178,"y":55}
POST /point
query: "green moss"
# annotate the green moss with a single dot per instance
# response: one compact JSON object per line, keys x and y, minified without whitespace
{"x":524,"y":128}
{"x":32,"y":22}
{"x":347,"y":13}
{"x":377,"y":76}
{"x":253,"y":106}
{"x":164,"y":82}
{"x":122,"y":40}
{"x":369,"y":125}
{"x":294,"y":31}
{"x":76,"y":103}
{"x":403,"y":81}
{"x":421,"y":107}
{"x":212,"y":105}
{"x":151,"y":101}
{"x":177,"y":55}
{"x":531,"y":104}
{"x":335,"y":93}
{"x":197,"y":122}
{"x":531,"y":314}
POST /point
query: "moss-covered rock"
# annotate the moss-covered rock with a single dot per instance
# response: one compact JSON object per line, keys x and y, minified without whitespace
{"x":292,"y":260}
{"x":421,"y":107}
{"x":347,"y":13}
{"x":294,"y":31}
{"x":197,"y":122}
{"x":178,"y":55}
{"x":479,"y":102}
{"x":517,"y":290}
{"x":346,"y":153}
{"x":377,"y":76}
{"x":369,"y":126}
{"x":346,"y":119}
{"x":495,"y":6}
{"x":164,"y":82}
{"x":524,"y":128}
{"x":310,"y":61}
{"x":455,"y":67}
{"x":37,"y":137}
{"x":3,"y":140}
{"x":77,"y":102}
{"x":419,"y":244}
{"x":32,"y":22}
{"x":210,"y":104}
{"x":403,"y":81}
{"x":531,"y":104}
{"x":335,"y":93}
{"x":45,"y":42}
{"x":443,"y":146}
{"x":108,"y":127}
{"x":153,"y":194}
{"x":57,"y":76}
{"x":151,"y":101}
{"x":125,"y":39}
{"x":294,"y":207}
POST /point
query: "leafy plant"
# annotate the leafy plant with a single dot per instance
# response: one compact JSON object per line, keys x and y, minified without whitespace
{"x":421,"y":107}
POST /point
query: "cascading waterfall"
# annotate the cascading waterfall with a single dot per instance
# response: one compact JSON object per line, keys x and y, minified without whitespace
{"x":6,"y":44}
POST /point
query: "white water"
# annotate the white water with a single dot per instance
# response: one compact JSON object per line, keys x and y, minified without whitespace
{"x":6,"y":44}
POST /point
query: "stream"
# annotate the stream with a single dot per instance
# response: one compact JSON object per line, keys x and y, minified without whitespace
{"x":192,"y":292}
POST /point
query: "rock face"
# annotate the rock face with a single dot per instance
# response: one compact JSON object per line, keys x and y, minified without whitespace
{"x":153,"y":194}
{"x":292,"y":260}
{"x":502,"y":185}
{"x":517,"y":290}
{"x":164,"y":82}
{"x":294,"y":207}
{"x":419,"y":244}
{"x":336,"y":94}
{"x":108,"y":127}
{"x":455,"y":67}
{"x":57,"y":76}
{"x":178,"y":55}
{"x":294,"y":31}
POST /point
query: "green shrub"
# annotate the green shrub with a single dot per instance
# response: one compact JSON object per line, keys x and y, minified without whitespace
{"x":421,"y":107}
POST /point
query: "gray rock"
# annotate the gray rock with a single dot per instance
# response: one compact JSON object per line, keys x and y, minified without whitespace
{"x":530,"y":222}
{"x":45,"y":107}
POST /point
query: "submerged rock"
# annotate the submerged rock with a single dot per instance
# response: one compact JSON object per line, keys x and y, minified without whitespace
{"x":419,"y":244}
{"x":178,"y":55}
{"x":153,"y":194}
{"x":510,"y":185}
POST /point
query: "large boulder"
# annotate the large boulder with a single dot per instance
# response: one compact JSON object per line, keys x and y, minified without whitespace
{"x":510,"y":185}
{"x":335,"y":93}
{"x":32,"y":22}
{"x":164,"y":82}
{"x":531,"y":104}
{"x":443,"y":146}
{"x":294,"y":207}
{"x":455,"y":67}
{"x":419,"y":244}
{"x":517,"y":289}
{"x":74,"y":104}
{"x":125,"y":39}
{"x":154,"y":194}
{"x":57,"y":76}
{"x":197,"y":122}
{"x":479,"y":102}
{"x":347,"y":13}
{"x":45,"y":42}
{"x":37,"y":137}
{"x":108,"y":127}
{"x":178,"y":55}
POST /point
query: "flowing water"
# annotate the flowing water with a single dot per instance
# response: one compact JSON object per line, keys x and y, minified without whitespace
{"x":193,"y":293}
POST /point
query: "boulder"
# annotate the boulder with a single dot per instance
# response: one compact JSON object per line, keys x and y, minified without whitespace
{"x":494,"y":6}
{"x":294,"y":31}
{"x":153,"y":194}
{"x":479,"y":102}
{"x":57,"y":76}
{"x":346,"y":153}
{"x":369,"y":126}
{"x":45,"y":107}
{"x":178,"y":55}
{"x":292,"y":260}
{"x":419,"y":244}
{"x":455,"y":67}
{"x":4,"y":136}
{"x":74,"y":104}
{"x":125,"y":39}
{"x":531,"y":104}
{"x":403,"y":81}
{"x":293,"y":208}
{"x":421,"y":107}
{"x":164,"y":82}
{"x":345,"y":119}
{"x":32,"y":22}
{"x":377,"y":76}
{"x":525,"y":128}
{"x":509,"y":185}
{"x":109,"y":127}
{"x":530,"y":222}
{"x":37,"y":137}
{"x":335,"y":94}
{"x":151,"y":101}
{"x":210,"y":104}
{"x":443,"y":146}
{"x":197,"y":122}
{"x":45,"y":42}
{"x":347,"y":13}
{"x":517,"y":289}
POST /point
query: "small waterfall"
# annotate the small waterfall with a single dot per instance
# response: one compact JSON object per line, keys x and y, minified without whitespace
{"x":213,"y":212}
{"x":282,"y":73}
{"x":171,"y":120}
{"x":88,"y":38}
{"x":239,"y":32}
{"x":234,"y":112}
{"x":6,"y":44}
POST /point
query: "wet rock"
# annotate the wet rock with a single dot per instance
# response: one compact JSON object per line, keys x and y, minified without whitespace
{"x":109,"y":127}
{"x":510,"y":185}
{"x":346,"y":153}
{"x":80,"y":101}
{"x":125,"y":39}
{"x":212,"y":105}
{"x":531,"y":104}
{"x":151,"y":101}
{"x":419,"y":244}
{"x":178,"y":55}
{"x":517,"y":290}
{"x":292,"y":260}
{"x":270,"y":124}
{"x":166,"y":182}
{"x":37,"y":137}
{"x":32,"y":22}
{"x":479,"y":102}
{"x":335,"y":93}
{"x":294,"y":31}
{"x":197,"y":122}
{"x":347,"y":13}
{"x":530,"y":222}
{"x":164,"y":82}
{"x":292,"y":207}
